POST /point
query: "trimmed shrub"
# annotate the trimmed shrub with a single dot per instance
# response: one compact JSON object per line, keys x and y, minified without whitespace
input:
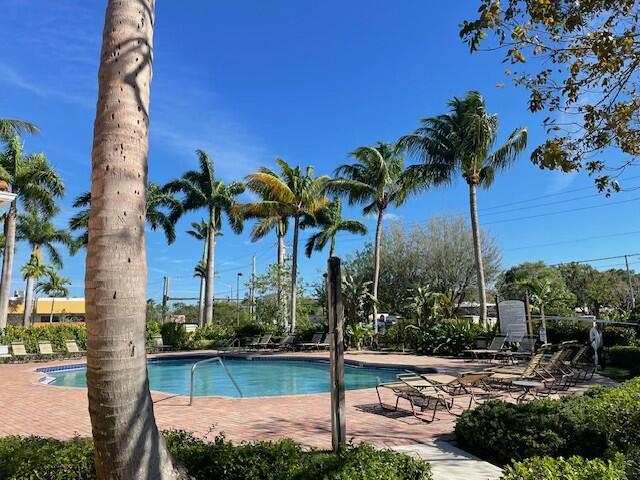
{"x":174,"y":334}
{"x":564,"y":331}
{"x":574,"y":468}
{"x":56,"y":334}
{"x":47,"y":459}
{"x":151,"y":330}
{"x":625,"y":357}
{"x":601,"y":423}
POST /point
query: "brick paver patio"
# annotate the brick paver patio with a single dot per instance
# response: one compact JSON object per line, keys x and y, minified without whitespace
{"x":32,"y":408}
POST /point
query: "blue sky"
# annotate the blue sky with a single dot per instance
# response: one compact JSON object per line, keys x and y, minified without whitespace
{"x":307,"y":81}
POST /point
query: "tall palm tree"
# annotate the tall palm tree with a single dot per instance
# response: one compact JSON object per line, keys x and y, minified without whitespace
{"x":39,"y":231}
{"x":10,"y":127}
{"x":125,"y":436}
{"x":201,"y":190}
{"x":32,"y":271}
{"x":461,"y":141}
{"x":330,"y":221}
{"x":200,"y":231}
{"x":54,"y":286}
{"x":36,"y":185}
{"x":291,"y":194}
{"x":378,"y":180}
{"x":156,"y":217}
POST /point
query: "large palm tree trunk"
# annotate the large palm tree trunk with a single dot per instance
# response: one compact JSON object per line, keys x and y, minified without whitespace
{"x":477,"y":251}
{"x":376,"y":270}
{"x":28,"y":303}
{"x":126,"y":440}
{"x":209,"y":290}
{"x":7,"y":262}
{"x":281,"y":301}
{"x":294,"y":273}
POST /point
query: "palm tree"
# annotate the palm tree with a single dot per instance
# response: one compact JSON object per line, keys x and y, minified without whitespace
{"x":330,"y":220}
{"x":10,"y":127}
{"x":379,"y":180}
{"x":200,"y":231}
{"x":355,"y":296}
{"x":541,"y":293}
{"x":461,"y":142}
{"x":54,"y":286}
{"x":290,"y":194}
{"x":36,"y":185}
{"x":427,"y":304}
{"x":126,"y":439}
{"x":156,"y":218}
{"x":39,"y":231}
{"x":32,"y":270}
{"x":201,"y":190}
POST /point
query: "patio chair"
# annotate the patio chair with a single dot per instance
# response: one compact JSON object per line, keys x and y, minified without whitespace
{"x":19,"y":351}
{"x":468,"y":383}
{"x":495,"y":347}
{"x":262,"y":342}
{"x":4,"y":351}
{"x":286,"y":343}
{"x":526,"y":348}
{"x":46,"y":349}
{"x":324,"y":343}
{"x":315,"y":341}
{"x":253,"y":341}
{"x":72,"y":348}
{"x":421,"y":394}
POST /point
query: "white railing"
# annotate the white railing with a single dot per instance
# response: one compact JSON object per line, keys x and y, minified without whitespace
{"x":207,"y":360}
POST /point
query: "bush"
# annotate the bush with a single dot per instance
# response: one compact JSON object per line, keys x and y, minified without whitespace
{"x":600,"y":423}
{"x":625,"y":357}
{"x":574,"y":468}
{"x":48,"y":459}
{"x":56,"y":334}
{"x":448,"y":337}
{"x":174,"y":334}
{"x":152,"y":330}
{"x":564,"y":331}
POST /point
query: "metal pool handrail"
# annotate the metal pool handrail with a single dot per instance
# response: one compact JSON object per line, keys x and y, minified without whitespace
{"x":207,"y":360}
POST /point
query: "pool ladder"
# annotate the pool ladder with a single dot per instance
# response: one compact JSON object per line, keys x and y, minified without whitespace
{"x":207,"y":360}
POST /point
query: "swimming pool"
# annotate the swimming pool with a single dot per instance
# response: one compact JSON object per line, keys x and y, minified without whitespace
{"x":256,"y":378}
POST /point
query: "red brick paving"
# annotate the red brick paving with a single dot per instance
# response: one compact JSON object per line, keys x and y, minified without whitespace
{"x":28,"y":407}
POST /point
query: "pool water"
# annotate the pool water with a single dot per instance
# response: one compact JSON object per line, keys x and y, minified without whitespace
{"x":256,"y":378}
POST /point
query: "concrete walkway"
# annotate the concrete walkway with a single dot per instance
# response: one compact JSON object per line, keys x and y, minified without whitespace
{"x":451,"y":463}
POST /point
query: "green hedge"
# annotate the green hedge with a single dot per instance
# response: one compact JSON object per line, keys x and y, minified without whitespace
{"x":56,"y":334}
{"x":600,"y":423}
{"x":563,"y":331}
{"x":47,"y":459}
{"x":625,"y":357}
{"x":574,"y":468}
{"x":448,"y":337}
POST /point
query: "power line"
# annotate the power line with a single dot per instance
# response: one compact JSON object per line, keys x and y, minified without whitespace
{"x":564,"y":242}
{"x":597,"y":259}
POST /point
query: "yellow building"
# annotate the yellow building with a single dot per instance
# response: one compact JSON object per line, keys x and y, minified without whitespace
{"x":48,"y":310}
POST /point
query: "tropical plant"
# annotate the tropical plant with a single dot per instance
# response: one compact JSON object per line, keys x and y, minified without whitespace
{"x":290,"y":194}
{"x":330,"y":222}
{"x":201,"y":190}
{"x":126,"y":439}
{"x":355,"y":296}
{"x":378,"y":180}
{"x":200,"y":231}
{"x":461,"y":141}
{"x":54,"y":286}
{"x":36,"y":185}
{"x":39,"y":231}
{"x":156,"y":217}
{"x":540,"y":293}
{"x":10,"y":127}
{"x":359,"y":334}
{"x":428,"y":305}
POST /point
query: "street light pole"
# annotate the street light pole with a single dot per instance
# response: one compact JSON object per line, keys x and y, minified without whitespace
{"x":238,"y":298}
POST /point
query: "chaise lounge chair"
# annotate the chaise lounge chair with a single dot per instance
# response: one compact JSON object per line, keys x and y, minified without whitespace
{"x":72,"y":348}
{"x":46,"y":349}
{"x":495,"y":348}
{"x":263,"y":342}
{"x":19,"y":351}
{"x":315,"y":342}
{"x":4,"y":352}
{"x":423,"y":395}
{"x":158,"y":344}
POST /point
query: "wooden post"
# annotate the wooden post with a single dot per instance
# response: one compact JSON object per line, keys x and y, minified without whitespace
{"x":497,"y":298}
{"x":336,"y":350}
{"x":527,"y":308}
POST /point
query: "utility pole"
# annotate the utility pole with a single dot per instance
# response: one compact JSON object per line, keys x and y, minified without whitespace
{"x":336,"y":354}
{"x":631,"y":292}
{"x":165,"y":297}
{"x":238,"y":298}
{"x":253,"y":290}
